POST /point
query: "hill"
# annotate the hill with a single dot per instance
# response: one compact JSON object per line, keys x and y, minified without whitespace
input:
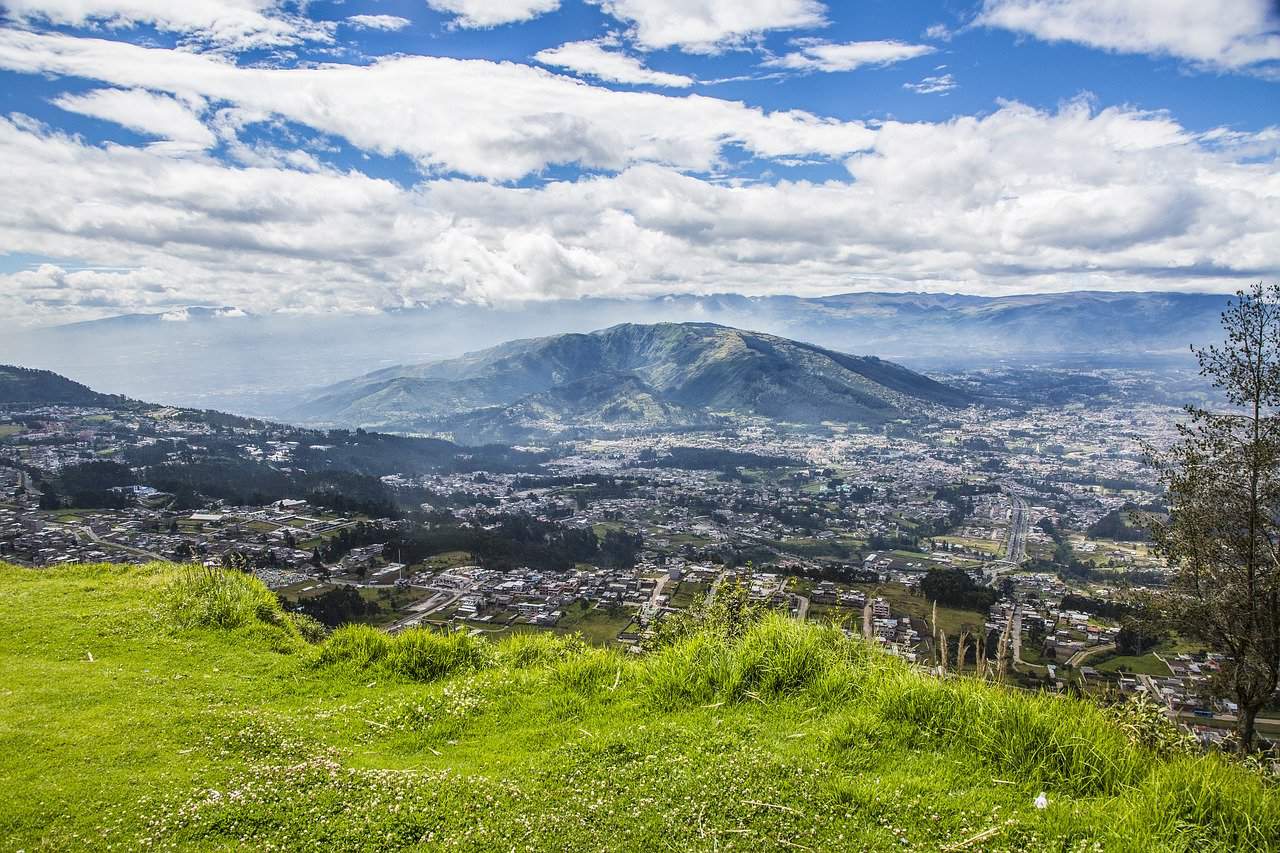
{"x":631,"y":375}
{"x":25,"y":386}
{"x":163,"y":707}
{"x":259,"y":364}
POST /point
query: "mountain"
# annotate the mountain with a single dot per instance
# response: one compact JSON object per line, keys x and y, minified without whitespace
{"x":265,"y":364}
{"x":629,"y":376}
{"x":24,"y":386}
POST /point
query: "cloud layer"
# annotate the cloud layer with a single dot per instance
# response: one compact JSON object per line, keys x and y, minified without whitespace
{"x":1021,"y":200}
{"x":1230,"y":34}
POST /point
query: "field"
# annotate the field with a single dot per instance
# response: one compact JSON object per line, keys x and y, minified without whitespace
{"x":175,"y":709}
{"x":688,"y":593}
{"x":7,"y":430}
{"x":901,"y":601}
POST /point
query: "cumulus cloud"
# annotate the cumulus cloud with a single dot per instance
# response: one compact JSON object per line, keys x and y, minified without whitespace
{"x":1230,"y":34}
{"x":500,"y":121}
{"x":480,"y":14}
{"x":231,"y":24}
{"x":593,"y":59}
{"x":378,"y":22}
{"x":820,"y":55}
{"x":154,"y":115}
{"x":709,"y":26}
{"x":1019,"y":200}
{"x":937,"y":84}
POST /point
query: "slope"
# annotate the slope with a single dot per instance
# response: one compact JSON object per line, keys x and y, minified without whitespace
{"x":685,"y":370}
{"x":26,"y":386}
{"x":171,"y":708}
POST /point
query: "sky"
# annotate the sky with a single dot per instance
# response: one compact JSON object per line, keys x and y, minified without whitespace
{"x":350,"y":156}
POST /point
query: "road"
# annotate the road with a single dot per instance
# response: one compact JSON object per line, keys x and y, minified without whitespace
{"x":1015,"y":551}
{"x":1084,"y":654}
{"x":1019,"y":526}
{"x":86,"y":530}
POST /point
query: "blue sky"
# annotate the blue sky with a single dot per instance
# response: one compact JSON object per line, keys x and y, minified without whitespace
{"x":372,"y":154}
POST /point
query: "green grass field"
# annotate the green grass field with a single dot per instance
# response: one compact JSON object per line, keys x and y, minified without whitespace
{"x":164,"y":708}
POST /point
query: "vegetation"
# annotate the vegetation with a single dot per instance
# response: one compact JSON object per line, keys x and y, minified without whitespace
{"x":954,"y":588}
{"x":1223,"y":532}
{"x":178,"y":708}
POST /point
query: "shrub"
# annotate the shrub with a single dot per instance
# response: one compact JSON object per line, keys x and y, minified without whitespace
{"x":358,"y":645}
{"x":217,"y":598}
{"x":310,"y":629}
{"x":423,"y":655}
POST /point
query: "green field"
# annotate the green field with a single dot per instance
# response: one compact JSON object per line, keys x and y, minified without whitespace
{"x":902,"y":602}
{"x":687,"y":593}
{"x":1145,"y":665}
{"x":158,"y":708}
{"x":7,"y":430}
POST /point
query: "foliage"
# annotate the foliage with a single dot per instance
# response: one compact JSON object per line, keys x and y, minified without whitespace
{"x":1223,"y":484}
{"x":1146,"y":723}
{"x":217,"y":598}
{"x":336,"y":606}
{"x":954,"y":588}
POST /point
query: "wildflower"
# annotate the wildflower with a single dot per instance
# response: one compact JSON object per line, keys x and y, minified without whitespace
{"x":1042,"y":802}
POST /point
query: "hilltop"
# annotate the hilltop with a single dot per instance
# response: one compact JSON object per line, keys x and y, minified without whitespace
{"x":631,"y":375}
{"x":170,"y":707}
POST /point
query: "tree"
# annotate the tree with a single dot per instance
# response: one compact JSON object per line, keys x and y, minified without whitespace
{"x":1222,"y":535}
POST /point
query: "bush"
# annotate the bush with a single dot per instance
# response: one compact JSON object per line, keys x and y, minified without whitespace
{"x":217,"y":598}
{"x":358,"y":645}
{"x":423,"y":655}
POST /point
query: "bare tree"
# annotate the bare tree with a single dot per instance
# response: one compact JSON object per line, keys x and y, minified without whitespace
{"x":1222,"y":534}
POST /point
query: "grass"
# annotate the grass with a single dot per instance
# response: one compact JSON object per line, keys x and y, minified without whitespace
{"x":167,"y":708}
{"x":1147,"y":664}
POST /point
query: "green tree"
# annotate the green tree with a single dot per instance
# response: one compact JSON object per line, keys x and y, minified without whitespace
{"x":1222,"y":535}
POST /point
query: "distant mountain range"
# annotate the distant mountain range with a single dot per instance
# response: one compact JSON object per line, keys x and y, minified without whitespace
{"x":221,"y":357}
{"x":630,"y":376}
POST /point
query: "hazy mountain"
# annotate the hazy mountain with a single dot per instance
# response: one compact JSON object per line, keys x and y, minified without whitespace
{"x":633,"y":376}
{"x":265,"y":364}
{"x":23,"y":386}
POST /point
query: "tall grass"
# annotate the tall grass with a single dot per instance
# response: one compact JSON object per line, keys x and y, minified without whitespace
{"x":217,"y":598}
{"x":417,"y":654}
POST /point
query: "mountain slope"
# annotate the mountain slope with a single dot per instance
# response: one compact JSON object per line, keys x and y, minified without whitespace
{"x":166,"y":708}
{"x":636,"y":375}
{"x":25,"y":386}
{"x":255,"y":364}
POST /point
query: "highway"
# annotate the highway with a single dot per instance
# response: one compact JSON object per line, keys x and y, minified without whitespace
{"x":1015,"y":549}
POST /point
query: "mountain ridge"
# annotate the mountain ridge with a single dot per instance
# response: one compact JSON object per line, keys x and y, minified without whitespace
{"x":643,"y":375}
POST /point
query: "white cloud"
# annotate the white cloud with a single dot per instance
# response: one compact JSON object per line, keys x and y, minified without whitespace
{"x":495,"y":120}
{"x":378,"y":22}
{"x":708,"y":26}
{"x":233,"y":24}
{"x":820,"y":55}
{"x":938,"y":84}
{"x":591,"y":59}
{"x":479,"y":14}
{"x":1021,"y":200}
{"x":1232,"y":34}
{"x":155,"y":115}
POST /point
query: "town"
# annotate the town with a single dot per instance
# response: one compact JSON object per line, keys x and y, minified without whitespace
{"x":1034,"y":508}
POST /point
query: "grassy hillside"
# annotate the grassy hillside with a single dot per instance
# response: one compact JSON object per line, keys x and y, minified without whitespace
{"x":163,"y":707}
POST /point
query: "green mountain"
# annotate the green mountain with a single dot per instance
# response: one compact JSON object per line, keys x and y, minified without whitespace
{"x":25,"y":386}
{"x":631,"y":375}
{"x":173,"y":708}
